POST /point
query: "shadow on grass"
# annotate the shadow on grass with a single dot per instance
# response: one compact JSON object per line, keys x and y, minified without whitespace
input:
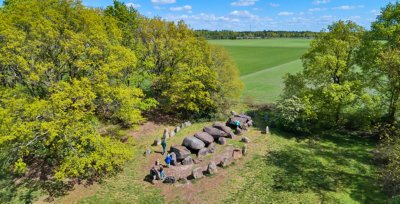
{"x":332,"y":165}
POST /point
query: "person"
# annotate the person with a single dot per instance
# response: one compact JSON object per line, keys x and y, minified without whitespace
{"x":168,"y":160}
{"x":162,"y":174}
{"x":154,"y":173}
{"x":237,"y":123}
{"x":164,"y":146}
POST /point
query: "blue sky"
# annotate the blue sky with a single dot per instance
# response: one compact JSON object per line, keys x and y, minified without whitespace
{"x":242,"y":15}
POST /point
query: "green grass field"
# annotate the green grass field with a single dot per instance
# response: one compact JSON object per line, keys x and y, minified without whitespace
{"x":263,"y":63}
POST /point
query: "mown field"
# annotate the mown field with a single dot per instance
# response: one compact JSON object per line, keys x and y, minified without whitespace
{"x":263,"y":63}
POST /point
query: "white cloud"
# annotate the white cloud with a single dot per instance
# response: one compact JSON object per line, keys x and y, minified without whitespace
{"x":316,"y":9}
{"x":244,"y":3}
{"x":318,"y":2}
{"x":375,"y":12}
{"x":163,"y":1}
{"x":182,"y":8}
{"x":347,"y":7}
{"x":132,"y":5}
{"x":274,"y":5}
{"x":285,"y":13}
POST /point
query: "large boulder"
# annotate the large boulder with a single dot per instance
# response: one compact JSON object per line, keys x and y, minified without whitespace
{"x":211,"y":148}
{"x":169,"y":179}
{"x":174,"y":161}
{"x":187,"y":161}
{"x":243,"y":116}
{"x":193,"y":143}
{"x":203,"y":152}
{"x":180,"y":151}
{"x":216,"y":133}
{"x":205,"y":137}
{"x":212,"y":168}
{"x":222,"y":141}
{"x":222,"y":127}
{"x":197,"y":173}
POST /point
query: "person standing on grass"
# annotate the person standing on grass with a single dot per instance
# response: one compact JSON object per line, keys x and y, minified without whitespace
{"x":168,"y":160}
{"x":164,"y":146}
{"x":162,"y":174}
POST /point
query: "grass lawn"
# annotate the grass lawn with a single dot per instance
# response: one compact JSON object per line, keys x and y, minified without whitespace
{"x":279,"y":168}
{"x":255,"y":57}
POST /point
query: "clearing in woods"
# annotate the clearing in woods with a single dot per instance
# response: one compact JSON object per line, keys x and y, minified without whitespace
{"x":279,"y":168}
{"x":263,"y":63}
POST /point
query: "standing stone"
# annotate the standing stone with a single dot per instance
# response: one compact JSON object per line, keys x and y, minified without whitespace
{"x":166,"y":133}
{"x":267,"y":130}
{"x":245,"y":139}
{"x":193,"y":143}
{"x":187,"y":161}
{"x":183,"y":126}
{"x":212,"y":168}
{"x":157,"y":142}
{"x":147,"y":152}
{"x":174,"y":162}
{"x":250,"y":123}
{"x":203,"y":152}
{"x":177,"y":129}
{"x":225,"y":162}
{"x":180,"y":151}
{"x":171,"y":133}
{"x":187,"y":123}
{"x":205,"y":137}
{"x":197,"y":173}
{"x":211,"y":148}
{"x":237,"y":154}
{"x":222,"y":141}
{"x":244,"y":150}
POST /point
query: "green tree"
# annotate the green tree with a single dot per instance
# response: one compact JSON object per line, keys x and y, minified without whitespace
{"x":380,"y":58}
{"x":329,"y":81}
{"x":64,"y":68}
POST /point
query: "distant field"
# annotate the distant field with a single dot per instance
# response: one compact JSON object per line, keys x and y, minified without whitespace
{"x":263,"y":63}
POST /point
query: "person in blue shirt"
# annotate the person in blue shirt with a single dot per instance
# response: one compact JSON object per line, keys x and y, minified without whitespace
{"x":168,"y":160}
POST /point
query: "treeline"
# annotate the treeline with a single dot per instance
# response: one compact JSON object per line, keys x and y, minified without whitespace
{"x":233,"y":35}
{"x":66,"y":70}
{"x":351,"y":81}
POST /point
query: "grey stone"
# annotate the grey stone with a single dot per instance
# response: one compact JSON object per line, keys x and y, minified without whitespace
{"x":238,"y":131}
{"x":147,"y":152}
{"x":180,"y":151}
{"x":171,"y":133}
{"x":174,"y":161}
{"x":183,"y":126}
{"x":244,"y":150}
{"x":177,"y":129}
{"x":231,"y":135}
{"x":205,"y":137}
{"x":222,"y":127}
{"x":250,"y":123}
{"x":222,"y":141}
{"x":244,"y":116}
{"x":212,"y":168}
{"x":203,"y":152}
{"x":211,"y":148}
{"x":187,"y":161}
{"x":187,"y":123}
{"x":216,"y":133}
{"x":157,"y":142}
{"x":197,"y":173}
{"x":245,"y":139}
{"x":237,"y":154}
{"x":225,"y":162}
{"x":169,"y":179}
{"x":193,"y":143}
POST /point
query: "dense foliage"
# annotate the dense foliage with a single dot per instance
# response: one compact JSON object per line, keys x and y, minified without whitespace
{"x":351,"y":81}
{"x":66,"y":70}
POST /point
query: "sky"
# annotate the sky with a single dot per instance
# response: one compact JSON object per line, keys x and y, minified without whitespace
{"x":255,"y":15}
